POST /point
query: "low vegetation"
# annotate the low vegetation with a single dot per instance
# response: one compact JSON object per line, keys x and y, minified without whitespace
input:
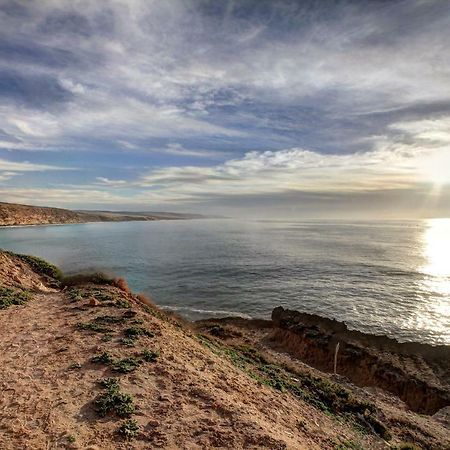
{"x":113,"y":400}
{"x":128,"y":342}
{"x":95,"y":327}
{"x":149,"y":355}
{"x":39,"y":265}
{"x":319,"y":392}
{"x":106,"y":297}
{"x":9,"y":297}
{"x":104,"y":358}
{"x":135,"y":332}
{"x":128,"y":429}
{"x":85,"y":278}
{"x":125,"y":365}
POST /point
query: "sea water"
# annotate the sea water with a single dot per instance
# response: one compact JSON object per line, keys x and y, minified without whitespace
{"x":390,"y":278}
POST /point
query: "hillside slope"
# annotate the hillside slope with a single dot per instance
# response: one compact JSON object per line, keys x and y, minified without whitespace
{"x":15,"y":214}
{"x":90,"y":366}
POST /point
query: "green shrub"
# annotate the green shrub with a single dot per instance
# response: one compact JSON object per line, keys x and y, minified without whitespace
{"x":109,"y":383}
{"x":129,"y":342}
{"x":126,"y":365}
{"x":133,"y":332}
{"x":128,"y":429}
{"x":96,"y":327}
{"x":149,"y":355}
{"x":113,"y":401}
{"x":104,"y":358}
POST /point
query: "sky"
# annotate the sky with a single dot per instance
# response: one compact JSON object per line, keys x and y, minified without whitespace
{"x":255,"y":108}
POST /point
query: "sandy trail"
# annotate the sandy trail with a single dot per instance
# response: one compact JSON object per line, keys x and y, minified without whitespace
{"x":190,"y":400}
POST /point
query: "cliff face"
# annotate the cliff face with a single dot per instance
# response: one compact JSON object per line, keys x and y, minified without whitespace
{"x":417,"y":373}
{"x":12,"y":214}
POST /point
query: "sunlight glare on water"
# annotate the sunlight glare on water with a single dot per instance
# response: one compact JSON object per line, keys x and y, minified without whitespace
{"x":437,"y":267}
{"x":437,"y":248}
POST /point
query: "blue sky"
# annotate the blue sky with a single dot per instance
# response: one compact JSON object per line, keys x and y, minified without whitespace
{"x":259,"y":108}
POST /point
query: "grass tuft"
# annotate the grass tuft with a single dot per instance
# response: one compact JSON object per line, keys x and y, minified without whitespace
{"x":85,"y":278}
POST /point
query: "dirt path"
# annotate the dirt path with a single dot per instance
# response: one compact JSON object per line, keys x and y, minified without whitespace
{"x":30,"y":379}
{"x":190,"y":400}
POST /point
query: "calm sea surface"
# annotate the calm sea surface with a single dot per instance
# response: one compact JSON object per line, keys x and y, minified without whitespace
{"x":379,"y":277}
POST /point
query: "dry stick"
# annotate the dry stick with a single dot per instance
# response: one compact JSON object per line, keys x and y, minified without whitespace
{"x":335,"y":357}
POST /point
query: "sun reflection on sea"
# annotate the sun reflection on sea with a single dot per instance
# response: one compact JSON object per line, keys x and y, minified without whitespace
{"x":436,"y":248}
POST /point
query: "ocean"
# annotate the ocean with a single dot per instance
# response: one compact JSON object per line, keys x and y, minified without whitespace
{"x":379,"y":277}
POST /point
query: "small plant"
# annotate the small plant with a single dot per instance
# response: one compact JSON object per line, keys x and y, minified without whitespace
{"x":9,"y":297}
{"x":71,"y":438}
{"x":95,"y":327}
{"x":107,"y":338}
{"x":125,"y":304}
{"x":108,"y":319}
{"x":128,"y":429}
{"x":126,"y":365}
{"x":129,"y":342}
{"x":113,"y":401}
{"x":133,"y":332}
{"x":149,"y":355}
{"x":104,"y":358}
{"x":109,"y":383}
{"x":75,"y":294}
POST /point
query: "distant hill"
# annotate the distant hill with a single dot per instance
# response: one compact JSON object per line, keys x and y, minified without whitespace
{"x":15,"y":214}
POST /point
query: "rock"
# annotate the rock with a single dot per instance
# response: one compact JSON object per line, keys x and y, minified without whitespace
{"x":94,"y":302}
{"x":277,"y":313}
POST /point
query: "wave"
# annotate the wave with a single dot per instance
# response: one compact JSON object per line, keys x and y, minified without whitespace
{"x":210,"y":312}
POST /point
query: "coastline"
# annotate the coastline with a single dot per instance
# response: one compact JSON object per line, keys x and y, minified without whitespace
{"x":15,"y":215}
{"x":222,"y":372}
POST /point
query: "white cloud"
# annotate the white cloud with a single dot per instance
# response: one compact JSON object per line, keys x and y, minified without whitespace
{"x":269,"y":172}
{"x":111,"y":183}
{"x":12,"y":166}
